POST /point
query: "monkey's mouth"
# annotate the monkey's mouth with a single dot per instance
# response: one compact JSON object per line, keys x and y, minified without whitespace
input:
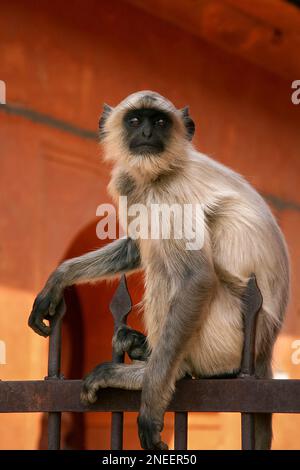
{"x":144,"y":148}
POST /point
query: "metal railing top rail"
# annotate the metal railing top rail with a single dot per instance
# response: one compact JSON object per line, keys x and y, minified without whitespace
{"x":205,"y":395}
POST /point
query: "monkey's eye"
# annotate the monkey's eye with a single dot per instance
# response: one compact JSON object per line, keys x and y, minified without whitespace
{"x":134,"y":122}
{"x":161,"y":122}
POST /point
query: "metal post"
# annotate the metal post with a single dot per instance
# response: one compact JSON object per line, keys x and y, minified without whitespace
{"x":54,"y":358}
{"x":252,"y":302}
{"x":181,"y":430}
{"x":120,"y":307}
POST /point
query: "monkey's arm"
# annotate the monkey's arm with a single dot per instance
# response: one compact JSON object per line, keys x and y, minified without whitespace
{"x":118,"y":257}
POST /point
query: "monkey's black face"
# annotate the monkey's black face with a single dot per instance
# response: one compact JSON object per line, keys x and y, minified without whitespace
{"x":147,"y":131}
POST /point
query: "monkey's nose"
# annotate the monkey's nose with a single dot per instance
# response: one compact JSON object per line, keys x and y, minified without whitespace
{"x":147,"y":131}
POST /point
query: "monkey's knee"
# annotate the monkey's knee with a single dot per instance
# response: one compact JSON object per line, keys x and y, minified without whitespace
{"x":132,"y":342}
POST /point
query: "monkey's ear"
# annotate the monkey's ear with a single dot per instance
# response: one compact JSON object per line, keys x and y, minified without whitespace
{"x":105,"y":113}
{"x":188,"y":122}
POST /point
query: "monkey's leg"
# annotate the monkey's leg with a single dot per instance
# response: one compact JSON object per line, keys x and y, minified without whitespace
{"x":132,"y":342}
{"x":163,"y":367}
{"x":118,"y":257}
{"x":108,"y":374}
{"x":123,"y":376}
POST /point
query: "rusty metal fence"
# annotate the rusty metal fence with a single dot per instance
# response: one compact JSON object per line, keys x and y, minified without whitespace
{"x":245,"y":394}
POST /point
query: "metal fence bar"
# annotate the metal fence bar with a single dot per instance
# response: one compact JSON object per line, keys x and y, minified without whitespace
{"x":191,"y":395}
{"x":181,"y":430}
{"x":248,"y":396}
{"x":54,"y":431}
{"x":248,"y":435}
{"x":117,"y":417}
{"x":116,"y":436}
{"x":54,"y":360}
{"x":120,"y":307}
{"x":252,"y":302}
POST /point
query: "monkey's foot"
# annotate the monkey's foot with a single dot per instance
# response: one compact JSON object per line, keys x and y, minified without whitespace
{"x":96,"y":379}
{"x":149,"y":434}
{"x":132,"y":342}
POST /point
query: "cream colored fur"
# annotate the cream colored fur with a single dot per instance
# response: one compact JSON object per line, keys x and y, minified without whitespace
{"x":241,"y":237}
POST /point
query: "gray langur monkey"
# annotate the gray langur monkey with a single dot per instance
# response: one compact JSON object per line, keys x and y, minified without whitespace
{"x":192,"y":301}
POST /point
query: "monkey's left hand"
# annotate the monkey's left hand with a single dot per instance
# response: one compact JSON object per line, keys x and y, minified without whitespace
{"x":149,"y":432}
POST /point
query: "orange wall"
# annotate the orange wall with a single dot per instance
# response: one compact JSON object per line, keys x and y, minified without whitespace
{"x":65,"y":62}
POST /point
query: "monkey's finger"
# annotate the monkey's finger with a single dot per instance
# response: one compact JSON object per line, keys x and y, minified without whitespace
{"x":88,"y":394}
{"x":39,"y":313}
{"x":137,"y":354}
{"x":150,"y":445}
{"x":52,"y":309}
{"x":161,"y":446}
{"x":92,"y":383}
{"x":56,"y":306}
{"x":87,"y":398}
{"x":38,"y":326}
{"x":147,"y":443}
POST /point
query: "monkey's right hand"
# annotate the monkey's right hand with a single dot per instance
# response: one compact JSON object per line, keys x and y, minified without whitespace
{"x":48,"y":305}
